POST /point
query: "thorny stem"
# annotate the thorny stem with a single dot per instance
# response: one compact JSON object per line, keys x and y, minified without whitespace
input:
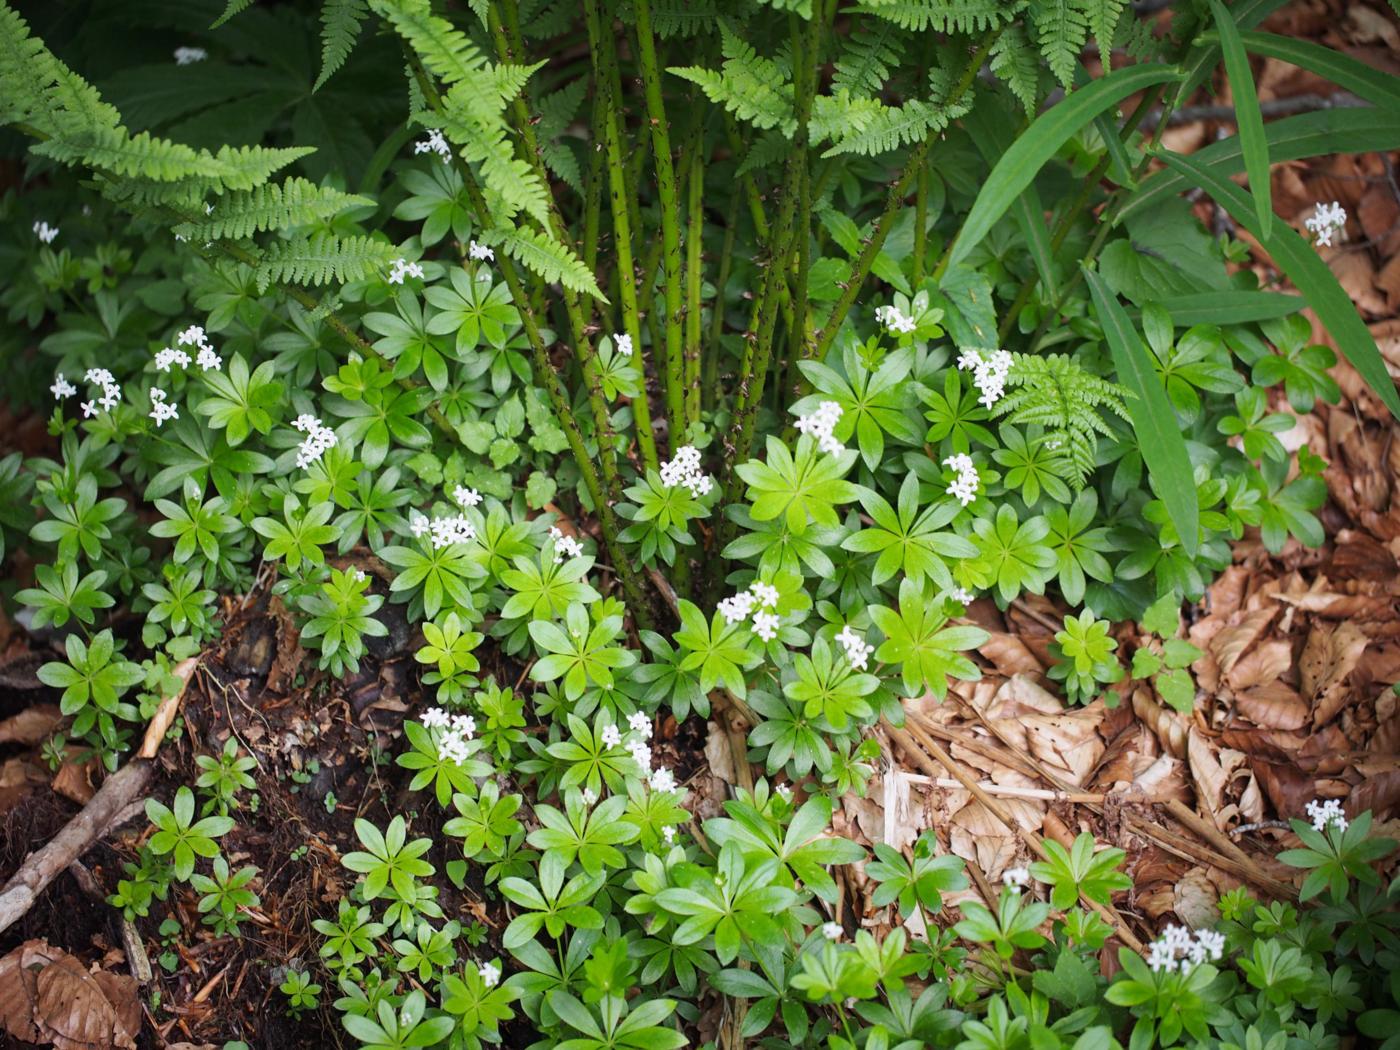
{"x":693,"y":244}
{"x":670,"y":215}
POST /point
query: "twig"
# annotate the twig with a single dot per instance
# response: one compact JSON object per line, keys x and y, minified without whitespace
{"x":1274,"y":107}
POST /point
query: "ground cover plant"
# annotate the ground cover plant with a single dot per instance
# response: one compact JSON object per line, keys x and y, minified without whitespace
{"x":581,"y":454}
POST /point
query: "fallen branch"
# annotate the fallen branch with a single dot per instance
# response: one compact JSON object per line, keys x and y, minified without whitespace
{"x":111,"y":806}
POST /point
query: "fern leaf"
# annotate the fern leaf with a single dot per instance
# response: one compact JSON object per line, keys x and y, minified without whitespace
{"x":867,"y":61}
{"x":1054,"y":392}
{"x":545,"y":256}
{"x":443,"y":49}
{"x":890,"y":128}
{"x":509,"y":79}
{"x":559,"y":108}
{"x":295,"y":202}
{"x":561,"y":159}
{"x":1014,"y":62}
{"x":323,"y":258}
{"x":1103,"y":16}
{"x":1061,"y":28}
{"x":37,"y":89}
{"x":340,"y":27}
{"x":754,"y":88}
{"x":117,"y":151}
{"x":233,"y":7}
{"x":684,"y":18}
{"x":945,"y":16}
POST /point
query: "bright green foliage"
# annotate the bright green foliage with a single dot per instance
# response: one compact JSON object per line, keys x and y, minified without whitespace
{"x":918,"y":637}
{"x":1081,"y":870}
{"x":93,"y":679}
{"x":391,"y":859}
{"x":181,"y":836}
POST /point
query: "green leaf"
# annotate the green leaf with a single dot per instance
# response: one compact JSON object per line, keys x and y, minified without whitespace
{"x":1382,"y":89}
{"x":1159,"y":437}
{"x":1247,"y":114}
{"x":1319,"y":287}
{"x":1020,"y":164}
{"x":1226,"y":308}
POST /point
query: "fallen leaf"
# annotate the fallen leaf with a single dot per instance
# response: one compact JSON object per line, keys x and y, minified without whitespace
{"x":1273,"y":706}
{"x":1328,"y":658}
{"x":1194,"y":899}
{"x":31,"y":725}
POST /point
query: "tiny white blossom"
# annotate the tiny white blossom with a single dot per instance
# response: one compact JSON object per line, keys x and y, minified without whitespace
{"x":111,"y":396}
{"x":565,"y":546}
{"x":45,"y":232}
{"x":419,"y":525}
{"x":171,"y":356}
{"x":403,"y":268}
{"x":765,"y":625}
{"x":185,"y":56}
{"x":89,"y":409}
{"x":464,"y":724}
{"x":736,"y":608}
{"x":668,"y":833}
{"x":820,"y":425}
{"x":785,"y":790}
{"x":962,"y":594}
{"x":988,"y":373}
{"x":62,"y":389}
{"x":765,"y":594}
{"x":434,"y":718}
{"x":1015,"y":877}
{"x":207,"y":360}
{"x":683,"y":469}
{"x":622,"y":342}
{"x":434,"y":143}
{"x":360,"y":575}
{"x":832,"y":931}
{"x":640,"y":751}
{"x":318,"y":439}
{"x":481,"y":252}
{"x":589,"y":796}
{"x":894,"y":320}
{"x":1327,"y":220}
{"x":662,"y":779}
{"x":1178,"y":950}
{"x":857,"y":649}
{"x":161,"y":409}
{"x":1326,"y":813}
{"x":611,"y":736}
{"x":964,"y":486}
{"x":465,"y":497}
{"x":450,"y":529}
{"x":191,"y":336}
{"x":639,"y":724}
{"x":490,"y":974}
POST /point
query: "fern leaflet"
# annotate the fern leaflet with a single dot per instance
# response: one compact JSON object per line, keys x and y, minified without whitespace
{"x":295,"y":202}
{"x":1015,"y":63}
{"x":945,"y":16}
{"x":323,"y":258}
{"x":545,"y":256}
{"x":340,"y":27}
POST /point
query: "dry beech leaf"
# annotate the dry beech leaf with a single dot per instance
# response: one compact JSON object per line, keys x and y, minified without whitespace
{"x":31,"y":725}
{"x":1262,"y":664}
{"x":1273,"y":706}
{"x":1328,"y":658}
{"x":1230,"y":643}
{"x":48,"y":998}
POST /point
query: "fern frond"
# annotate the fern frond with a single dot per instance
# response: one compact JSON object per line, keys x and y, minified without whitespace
{"x":340,"y":28}
{"x":510,"y":181}
{"x":243,"y":167}
{"x":323,"y":258}
{"x":39,"y":90}
{"x":545,"y":256}
{"x":683,"y":18}
{"x":509,"y":78}
{"x":945,"y":16}
{"x":1103,"y":16}
{"x":754,"y":88}
{"x":1061,"y":28}
{"x":1014,"y":62}
{"x":274,"y":206}
{"x":444,"y":49}
{"x":1054,"y":392}
{"x":233,"y":7}
{"x":117,"y":151}
{"x":887,"y":129}
{"x":869,"y":56}
{"x":558,"y":108}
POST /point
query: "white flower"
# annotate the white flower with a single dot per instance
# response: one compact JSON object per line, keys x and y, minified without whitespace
{"x":962,"y":594}
{"x":640,"y":751}
{"x":481,"y":252}
{"x":611,"y":736}
{"x":318,"y":439}
{"x":893,"y":319}
{"x":765,"y":594}
{"x":622,"y":342}
{"x":451,"y":529}
{"x":89,"y":409}
{"x":161,"y":409}
{"x":418,"y":524}
{"x":1178,"y":949}
{"x":98,"y":375}
{"x":434,"y":718}
{"x":564,"y":546}
{"x":765,"y":625}
{"x":464,"y":724}
{"x":988,"y":374}
{"x":663,"y":779}
{"x":465,"y":497}
{"x":1326,"y":220}
{"x":207,"y":360}
{"x":45,"y":232}
{"x":736,"y":609}
{"x":434,"y":143}
{"x":832,"y":931}
{"x":964,"y":486}
{"x":403,"y":268}
{"x":191,"y":336}
{"x":1016,"y":877}
{"x":490,"y":974}
{"x":452,"y":747}
{"x":589,"y":796}
{"x":62,"y":389}
{"x":360,"y":575}
{"x":785,"y":790}
{"x":820,"y":425}
{"x":639,"y":724}
{"x":111,"y":396}
{"x":857,"y":649}
{"x":684,"y":469}
{"x":185,"y":56}
{"x":167,"y":357}
{"x":669,"y":834}
{"x":1326,"y":813}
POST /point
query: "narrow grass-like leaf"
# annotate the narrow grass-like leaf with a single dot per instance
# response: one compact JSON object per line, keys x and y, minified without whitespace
{"x":1235,"y":307}
{"x":1354,"y":130}
{"x":1382,"y":89}
{"x":1247,"y":115}
{"x":1020,"y":164}
{"x":1297,"y":258}
{"x":1159,"y":435}
{"x":1201,"y":61}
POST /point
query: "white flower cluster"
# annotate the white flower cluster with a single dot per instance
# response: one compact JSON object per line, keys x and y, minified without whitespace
{"x":988,"y":373}
{"x":760,"y":596}
{"x":964,"y":486}
{"x":481,"y":252}
{"x":622,"y":343}
{"x":820,"y":424}
{"x":45,"y":232}
{"x":61,"y":388}
{"x":894,"y":320}
{"x":171,"y":356}
{"x":857,"y":649}
{"x":1327,"y":220}
{"x":318,"y":439}
{"x":565,"y":546}
{"x":111,"y":392}
{"x":434,"y":143}
{"x":403,"y":268}
{"x":1178,"y":949}
{"x":962,"y":594}
{"x":684,"y":469}
{"x":185,"y":56}
{"x":832,"y":931}
{"x":1322,"y":814}
{"x":194,"y":336}
{"x":465,"y":497}
{"x":445,"y":530}
{"x":639,"y":732}
{"x":161,"y":409}
{"x":1016,"y":877}
{"x":490,"y":974}
{"x":456,"y":730}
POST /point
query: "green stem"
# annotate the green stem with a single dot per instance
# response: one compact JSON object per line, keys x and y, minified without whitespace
{"x":693,"y":272}
{"x":670,"y":215}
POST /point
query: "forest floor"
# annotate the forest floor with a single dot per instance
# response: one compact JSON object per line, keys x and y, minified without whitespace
{"x":1295,"y":701}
